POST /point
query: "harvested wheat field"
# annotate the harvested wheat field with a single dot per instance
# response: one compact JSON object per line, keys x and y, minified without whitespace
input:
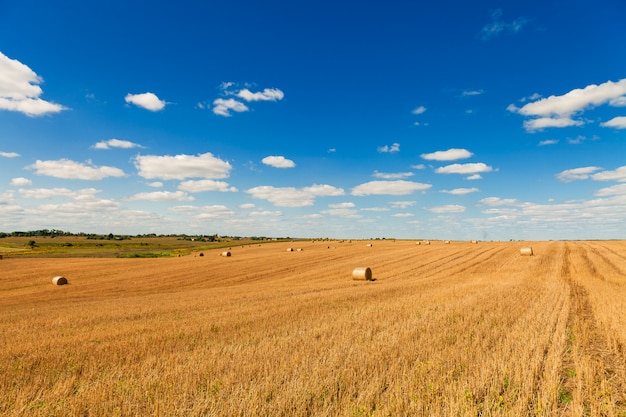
{"x":455,"y":329}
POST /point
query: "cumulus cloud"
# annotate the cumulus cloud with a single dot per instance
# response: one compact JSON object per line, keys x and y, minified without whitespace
{"x":68,"y":169}
{"x":451,"y":208}
{"x":548,"y":142}
{"x":116,"y":143}
{"x":183,"y":166}
{"x":450,"y":155}
{"x":214,"y":211}
{"x":419,"y":110}
{"x":498,"y":26}
{"x":618,"y":175}
{"x":246,"y":206}
{"x":461,"y":191}
{"x":497,"y":202}
{"x":470,"y":168}
{"x":392,"y":176}
{"x":9,"y":154}
{"x":342,"y":205}
{"x":619,"y":189}
{"x":266,"y":213}
{"x":574,"y":174}
{"x":223,"y":107}
{"x":20,"y":182}
{"x":402,"y":215}
{"x":402,"y":204}
{"x":293,"y":197}
{"x":399,"y":187}
{"x":44,"y":193}
{"x":20,"y":90}
{"x":616,"y":122}
{"x":197,"y":186}
{"x":347,"y":213}
{"x":233,"y":96}
{"x":469,"y":93}
{"x":148,"y":101}
{"x":558,"y":111}
{"x":278,"y":162}
{"x":389,"y":149}
{"x":268,"y":94}
{"x":161,"y":196}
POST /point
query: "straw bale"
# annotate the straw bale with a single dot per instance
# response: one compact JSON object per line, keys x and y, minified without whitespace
{"x":362,"y":274}
{"x":225,"y":253}
{"x":59,"y":280}
{"x":526,"y":251}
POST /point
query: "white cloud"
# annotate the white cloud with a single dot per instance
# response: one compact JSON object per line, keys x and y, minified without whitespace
{"x":574,"y":174}
{"x":223,"y":107}
{"x":418,"y":166}
{"x":148,"y":101}
{"x":548,"y":142}
{"x":160,"y":196}
{"x":403,"y":215}
{"x":215,"y":211}
{"x":392,"y":176}
{"x":183,"y":166}
{"x":557,"y":111}
{"x":268,"y":94}
{"x":497,"y":202}
{"x":399,"y":187}
{"x":618,"y":175}
{"x":43,"y":193}
{"x":544,"y":122}
{"x":197,"y":186}
{"x":471,"y":168}
{"x":278,"y":162}
{"x":389,"y":149}
{"x":266,"y":213}
{"x":20,"y":181}
{"x":449,"y":155}
{"x":461,"y":191}
{"x":155,"y":184}
{"x":293,"y":197}
{"x":68,"y":169}
{"x":469,"y":93}
{"x":616,"y":122}
{"x":474,"y":177}
{"x":247,"y":206}
{"x":9,"y":154}
{"x":452,"y":208}
{"x":116,"y":143}
{"x":419,"y":110}
{"x":342,"y":205}
{"x":402,"y":204}
{"x":619,"y":189}
{"x":342,"y":212}
{"x":497,"y":26}
{"x":20,"y":90}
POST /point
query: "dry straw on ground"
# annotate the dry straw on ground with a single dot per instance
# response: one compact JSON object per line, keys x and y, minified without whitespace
{"x":449,"y":330}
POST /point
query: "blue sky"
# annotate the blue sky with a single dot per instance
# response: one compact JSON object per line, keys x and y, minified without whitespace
{"x":455,"y":120}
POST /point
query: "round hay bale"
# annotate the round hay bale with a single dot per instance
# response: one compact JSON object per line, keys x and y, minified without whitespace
{"x":447,"y":242}
{"x":201,"y":254}
{"x":59,"y":280}
{"x":474,"y":241}
{"x":299,"y":249}
{"x":418,"y":243}
{"x":362,"y":274}
{"x":526,"y":251}
{"x":427,"y":242}
{"x":225,"y":253}
{"x":369,"y":245}
{"x":289,"y":249}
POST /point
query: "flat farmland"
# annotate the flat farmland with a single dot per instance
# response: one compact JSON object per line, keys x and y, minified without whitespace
{"x":455,"y":329}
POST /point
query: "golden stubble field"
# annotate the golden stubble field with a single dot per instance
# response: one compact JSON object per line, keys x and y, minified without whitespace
{"x":455,"y":329}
